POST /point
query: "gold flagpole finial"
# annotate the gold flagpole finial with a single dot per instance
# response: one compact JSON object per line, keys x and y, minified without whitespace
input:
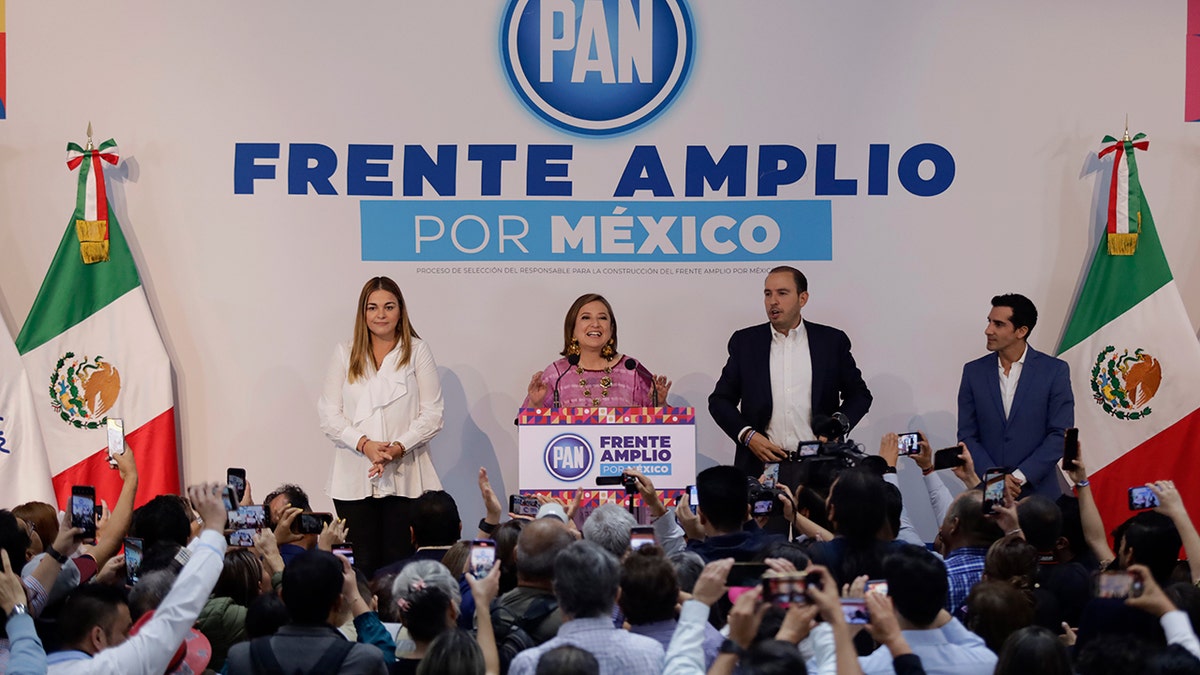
{"x":1126,"y":136}
{"x":89,"y":137}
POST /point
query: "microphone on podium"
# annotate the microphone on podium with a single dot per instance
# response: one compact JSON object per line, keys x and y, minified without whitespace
{"x":573,"y":360}
{"x":632,"y":364}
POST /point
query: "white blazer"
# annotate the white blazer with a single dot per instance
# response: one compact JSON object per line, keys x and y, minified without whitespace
{"x":385,"y":405}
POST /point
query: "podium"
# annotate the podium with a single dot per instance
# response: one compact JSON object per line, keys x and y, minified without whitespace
{"x":562,"y":449}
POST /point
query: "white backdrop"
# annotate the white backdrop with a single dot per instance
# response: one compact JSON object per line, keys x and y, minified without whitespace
{"x":251,"y":291}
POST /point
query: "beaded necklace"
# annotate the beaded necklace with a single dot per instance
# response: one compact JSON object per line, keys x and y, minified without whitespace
{"x":605,"y":383}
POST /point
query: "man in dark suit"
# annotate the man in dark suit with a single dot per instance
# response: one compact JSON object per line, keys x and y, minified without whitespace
{"x":782,"y":375}
{"x":1015,"y":405}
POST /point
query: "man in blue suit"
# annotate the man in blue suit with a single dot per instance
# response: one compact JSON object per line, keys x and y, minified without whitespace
{"x":1015,"y":405}
{"x":784,"y":374}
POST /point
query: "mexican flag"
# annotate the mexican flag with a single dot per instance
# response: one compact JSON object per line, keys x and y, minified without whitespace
{"x":1135,"y":361}
{"x":24,"y":472}
{"x":92,"y":351}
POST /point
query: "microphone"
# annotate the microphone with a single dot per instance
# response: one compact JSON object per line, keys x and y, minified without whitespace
{"x":830,"y":426}
{"x":573,"y":360}
{"x":631,"y":364}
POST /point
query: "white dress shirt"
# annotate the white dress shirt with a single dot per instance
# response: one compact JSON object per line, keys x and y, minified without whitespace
{"x":1009,"y":382}
{"x":791,"y":388}
{"x":386,"y":405}
{"x":1008,"y":389}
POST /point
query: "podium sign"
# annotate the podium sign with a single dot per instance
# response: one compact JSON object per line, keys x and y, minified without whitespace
{"x":565,"y":448}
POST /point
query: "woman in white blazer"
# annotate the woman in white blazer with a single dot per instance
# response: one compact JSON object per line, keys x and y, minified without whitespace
{"x":381,"y":404}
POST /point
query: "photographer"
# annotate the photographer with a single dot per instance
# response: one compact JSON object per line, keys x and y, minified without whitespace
{"x":724,"y":517}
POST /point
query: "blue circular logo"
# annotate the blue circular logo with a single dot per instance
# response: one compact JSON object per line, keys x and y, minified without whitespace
{"x":597,"y":67}
{"x":568,"y":457}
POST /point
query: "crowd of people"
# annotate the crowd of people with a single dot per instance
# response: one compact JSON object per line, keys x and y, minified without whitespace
{"x":1033,"y":587}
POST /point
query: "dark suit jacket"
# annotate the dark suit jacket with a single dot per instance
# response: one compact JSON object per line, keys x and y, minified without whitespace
{"x":1031,"y":438}
{"x":742,"y":397}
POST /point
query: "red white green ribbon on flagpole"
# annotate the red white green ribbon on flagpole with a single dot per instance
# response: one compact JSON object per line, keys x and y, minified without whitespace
{"x":91,"y":199}
{"x":1125,"y":197}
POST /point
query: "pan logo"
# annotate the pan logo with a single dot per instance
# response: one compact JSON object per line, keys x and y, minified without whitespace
{"x":568,"y":457}
{"x":597,"y":67}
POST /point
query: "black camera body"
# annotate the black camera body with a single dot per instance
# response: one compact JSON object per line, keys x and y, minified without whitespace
{"x":764,"y":501}
{"x":630,"y":483}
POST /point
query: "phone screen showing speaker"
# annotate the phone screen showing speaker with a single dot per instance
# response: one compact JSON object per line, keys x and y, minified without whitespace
{"x":1141,"y":498}
{"x":83,"y":510}
{"x":253,"y":517}
{"x":910,"y":443}
{"x":483,"y":557}
{"x":133,"y":559}
{"x":993,"y":490}
{"x":855,"y":611}
{"x":770,"y":474}
{"x":693,"y":498}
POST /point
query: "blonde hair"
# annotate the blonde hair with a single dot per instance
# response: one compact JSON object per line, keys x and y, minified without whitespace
{"x":360,"y":349}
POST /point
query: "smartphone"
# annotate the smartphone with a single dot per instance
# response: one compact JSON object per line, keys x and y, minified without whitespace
{"x":346,"y":550}
{"x":948,"y":458}
{"x":879,"y":586}
{"x":311,"y":523}
{"x":133,"y":559}
{"x":910,"y":443}
{"x":483,"y":557}
{"x":993,"y":490}
{"x":236,"y":479}
{"x":1070,"y":447}
{"x":229,"y":499}
{"x":241,"y":537}
{"x":523,"y":506}
{"x":810,"y":448}
{"x":83,"y":511}
{"x":253,"y":517}
{"x":770,"y":474}
{"x":693,"y":497}
{"x":642,"y":535}
{"x":784,"y":589}
{"x":745,"y":575}
{"x":855,"y":611}
{"x":1117,"y":585}
{"x":116,"y":437}
{"x":1142,"y":497}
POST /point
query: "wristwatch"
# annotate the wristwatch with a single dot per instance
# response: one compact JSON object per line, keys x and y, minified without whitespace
{"x":53,"y":553}
{"x":486,"y":527}
{"x":731,"y":647}
{"x":17,"y":610}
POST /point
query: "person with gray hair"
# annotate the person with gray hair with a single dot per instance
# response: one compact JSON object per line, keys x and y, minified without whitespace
{"x":610,"y":526}
{"x":586,"y":582}
{"x":429,"y":601}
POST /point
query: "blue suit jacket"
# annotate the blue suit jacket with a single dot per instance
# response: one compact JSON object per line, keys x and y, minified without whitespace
{"x":742,"y":396}
{"x":1031,"y":438}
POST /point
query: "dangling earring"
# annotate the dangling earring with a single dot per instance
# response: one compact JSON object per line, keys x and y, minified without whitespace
{"x":573,"y":348}
{"x":607,"y":351}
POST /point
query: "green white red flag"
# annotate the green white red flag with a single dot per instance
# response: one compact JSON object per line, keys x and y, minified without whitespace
{"x":1135,"y":365}
{"x":93,"y":351}
{"x":24,"y":471}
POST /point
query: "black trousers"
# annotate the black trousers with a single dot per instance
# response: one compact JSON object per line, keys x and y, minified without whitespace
{"x":379,"y":530}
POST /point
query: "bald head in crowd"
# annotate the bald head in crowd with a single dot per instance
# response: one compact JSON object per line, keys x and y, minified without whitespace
{"x":537,"y":546}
